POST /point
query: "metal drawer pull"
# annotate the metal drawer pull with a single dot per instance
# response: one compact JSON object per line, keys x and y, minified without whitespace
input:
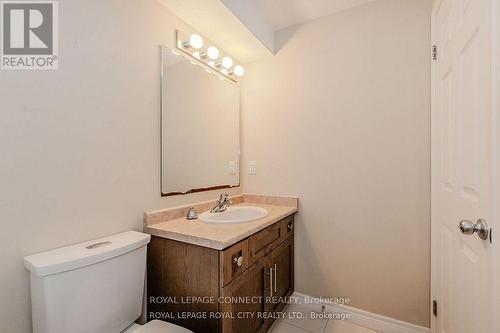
{"x":96,"y":245}
{"x":275,"y":278}
{"x":238,"y":261}
{"x":271,"y":281}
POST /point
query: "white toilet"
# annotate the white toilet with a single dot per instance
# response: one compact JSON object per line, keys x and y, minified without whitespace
{"x":92,"y":287}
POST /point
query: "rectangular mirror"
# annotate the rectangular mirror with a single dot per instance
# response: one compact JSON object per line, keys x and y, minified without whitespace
{"x":200,"y":127}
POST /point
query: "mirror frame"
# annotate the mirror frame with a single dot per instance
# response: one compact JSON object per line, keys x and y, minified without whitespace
{"x":163,"y":49}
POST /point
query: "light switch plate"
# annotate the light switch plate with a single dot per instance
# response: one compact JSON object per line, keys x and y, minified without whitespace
{"x":231,"y":167}
{"x":252,"y":167}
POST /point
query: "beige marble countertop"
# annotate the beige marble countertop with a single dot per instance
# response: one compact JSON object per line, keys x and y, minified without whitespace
{"x":220,"y":236}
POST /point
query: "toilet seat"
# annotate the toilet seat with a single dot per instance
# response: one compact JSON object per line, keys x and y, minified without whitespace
{"x":157,"y":326}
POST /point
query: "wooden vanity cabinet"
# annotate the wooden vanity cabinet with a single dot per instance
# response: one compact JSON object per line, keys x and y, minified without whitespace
{"x":252,"y":284}
{"x":282,"y":268}
{"x":182,"y":277}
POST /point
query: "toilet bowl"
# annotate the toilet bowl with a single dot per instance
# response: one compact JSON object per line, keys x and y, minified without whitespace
{"x":92,"y":287}
{"x":156,"y":326}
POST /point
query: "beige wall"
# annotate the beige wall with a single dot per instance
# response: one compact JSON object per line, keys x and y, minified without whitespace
{"x":80,"y":146}
{"x":340,"y":117}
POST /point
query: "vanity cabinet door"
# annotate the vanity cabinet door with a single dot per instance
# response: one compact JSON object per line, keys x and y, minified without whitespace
{"x":282,"y":268}
{"x":233,"y":261}
{"x":246,"y":317}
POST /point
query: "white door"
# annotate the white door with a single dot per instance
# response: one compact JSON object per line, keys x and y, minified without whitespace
{"x":462,"y":164}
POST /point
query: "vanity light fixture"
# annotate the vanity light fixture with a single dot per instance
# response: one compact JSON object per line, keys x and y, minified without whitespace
{"x":195,"y":41}
{"x":227,"y":62}
{"x":192,"y":45}
{"x":213,"y":53}
{"x":239,"y":70}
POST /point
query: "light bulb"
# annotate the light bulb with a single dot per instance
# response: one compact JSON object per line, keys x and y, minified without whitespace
{"x":227,"y":62}
{"x":239,"y":70}
{"x":213,"y":52}
{"x":196,"y":41}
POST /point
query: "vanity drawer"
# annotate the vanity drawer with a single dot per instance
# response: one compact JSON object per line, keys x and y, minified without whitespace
{"x":234,"y":261}
{"x":264,"y":241}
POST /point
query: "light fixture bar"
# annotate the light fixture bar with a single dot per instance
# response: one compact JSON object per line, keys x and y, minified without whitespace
{"x":203,"y":50}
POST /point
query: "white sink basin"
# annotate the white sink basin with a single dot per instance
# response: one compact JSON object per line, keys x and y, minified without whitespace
{"x":236,"y":214}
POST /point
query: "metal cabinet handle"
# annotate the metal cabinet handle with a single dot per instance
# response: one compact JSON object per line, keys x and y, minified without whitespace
{"x":480,"y":227}
{"x":238,"y":261}
{"x":275,"y":278}
{"x":271,"y":278}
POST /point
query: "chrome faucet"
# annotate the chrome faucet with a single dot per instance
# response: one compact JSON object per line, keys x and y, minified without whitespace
{"x":221,"y":204}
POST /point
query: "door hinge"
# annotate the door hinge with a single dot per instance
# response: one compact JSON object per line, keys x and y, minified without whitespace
{"x":435,"y":308}
{"x":434,"y":52}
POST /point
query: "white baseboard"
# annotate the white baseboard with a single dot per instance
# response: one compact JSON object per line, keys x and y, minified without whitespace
{"x":364,"y":318}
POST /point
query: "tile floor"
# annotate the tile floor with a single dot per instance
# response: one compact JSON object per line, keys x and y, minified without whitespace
{"x":292,"y":324}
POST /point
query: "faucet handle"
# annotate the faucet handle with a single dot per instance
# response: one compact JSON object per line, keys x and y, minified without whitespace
{"x":224,"y":198}
{"x":221,"y":204}
{"x":192,"y":214}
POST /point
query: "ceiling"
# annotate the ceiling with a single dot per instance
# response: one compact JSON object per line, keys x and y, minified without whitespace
{"x":245,"y":28}
{"x":281,"y":14}
{"x":212,"y":19}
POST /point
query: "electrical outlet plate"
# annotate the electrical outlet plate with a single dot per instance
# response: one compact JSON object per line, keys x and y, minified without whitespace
{"x":231,"y":167}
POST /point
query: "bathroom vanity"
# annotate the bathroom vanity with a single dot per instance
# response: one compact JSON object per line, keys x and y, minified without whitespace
{"x":221,"y":278}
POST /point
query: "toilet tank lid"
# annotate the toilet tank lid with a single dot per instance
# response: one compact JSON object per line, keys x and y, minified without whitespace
{"x":84,"y":254}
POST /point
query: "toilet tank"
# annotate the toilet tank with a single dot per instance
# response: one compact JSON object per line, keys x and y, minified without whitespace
{"x":91,"y":287}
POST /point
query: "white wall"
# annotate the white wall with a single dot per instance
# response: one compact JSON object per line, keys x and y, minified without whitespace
{"x":79,"y":147}
{"x":341,"y":117}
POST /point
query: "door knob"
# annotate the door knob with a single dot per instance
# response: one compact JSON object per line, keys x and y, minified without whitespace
{"x":480,"y":227}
